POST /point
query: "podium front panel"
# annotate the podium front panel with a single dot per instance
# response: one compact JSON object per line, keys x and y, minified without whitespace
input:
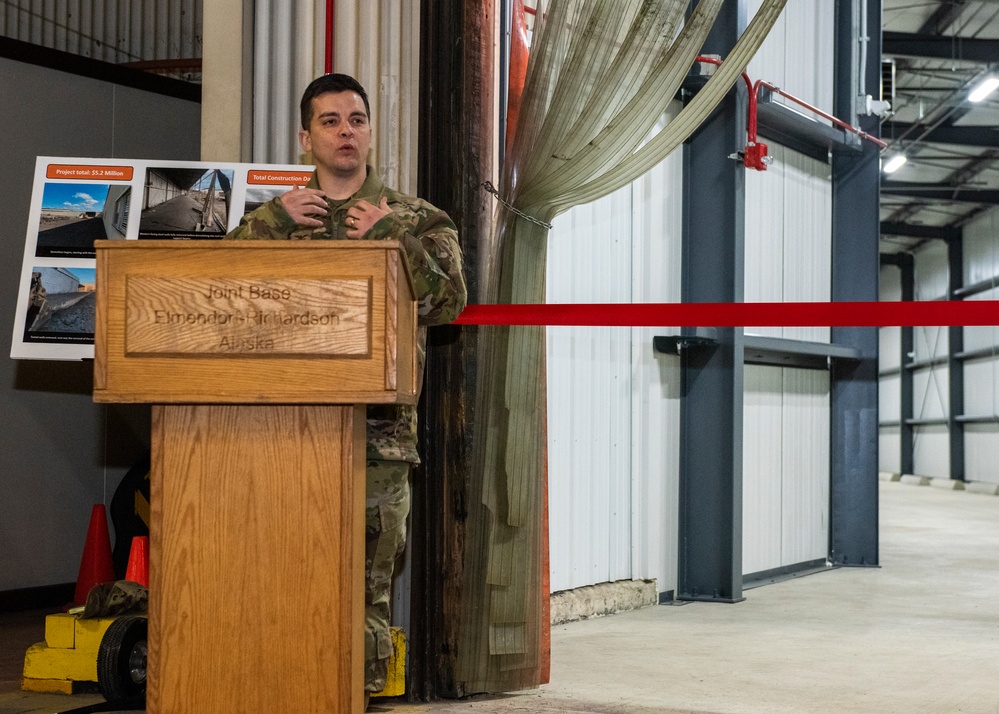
{"x":266,"y":322}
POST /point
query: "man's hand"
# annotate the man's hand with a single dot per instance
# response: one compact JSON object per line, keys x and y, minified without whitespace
{"x":304,"y":205}
{"x":362,"y":215}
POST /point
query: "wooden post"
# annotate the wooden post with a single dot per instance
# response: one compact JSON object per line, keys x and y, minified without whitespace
{"x":456,"y":157}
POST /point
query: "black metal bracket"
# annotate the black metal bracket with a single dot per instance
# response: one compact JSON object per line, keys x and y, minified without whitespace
{"x":675,"y":344}
{"x":771,"y":351}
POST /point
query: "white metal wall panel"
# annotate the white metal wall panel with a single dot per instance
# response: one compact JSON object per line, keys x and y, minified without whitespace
{"x":889,"y":390}
{"x":978,"y":337}
{"x":785,"y":467}
{"x":788,"y":237}
{"x":931,"y":272}
{"x":808,"y":243}
{"x":589,"y":398}
{"x":788,"y":258}
{"x":889,"y":350}
{"x":981,"y":376}
{"x":981,"y":443}
{"x":762,"y":468}
{"x":981,"y":379}
{"x":116,"y":31}
{"x":765,"y":236}
{"x":796,"y":56}
{"x":981,"y":249}
{"x":890,"y":283}
{"x":655,"y":387}
{"x":890,"y":449}
{"x":789,"y":206}
{"x":931,"y":451}
{"x":805,"y":466}
{"x":613,"y":404}
{"x":929,"y":342}
{"x":981,"y":263}
{"x":981,"y":389}
{"x":930,"y":393}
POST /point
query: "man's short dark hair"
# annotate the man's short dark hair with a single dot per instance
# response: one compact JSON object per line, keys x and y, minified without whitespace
{"x":326,"y":84}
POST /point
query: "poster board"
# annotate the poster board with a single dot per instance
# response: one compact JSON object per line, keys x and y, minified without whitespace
{"x":75,"y":201}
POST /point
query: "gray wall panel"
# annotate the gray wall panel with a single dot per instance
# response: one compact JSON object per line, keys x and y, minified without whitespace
{"x":59,"y":452}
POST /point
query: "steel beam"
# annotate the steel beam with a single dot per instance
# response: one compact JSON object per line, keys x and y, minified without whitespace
{"x":799,"y":132}
{"x":855,"y":234}
{"x":985,"y":136}
{"x":943,"y":17}
{"x":711,"y":398}
{"x":912,"y":230}
{"x":938,"y":192}
{"x":912,"y":44}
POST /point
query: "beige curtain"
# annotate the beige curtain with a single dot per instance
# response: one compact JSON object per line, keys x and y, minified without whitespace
{"x":600,"y":74}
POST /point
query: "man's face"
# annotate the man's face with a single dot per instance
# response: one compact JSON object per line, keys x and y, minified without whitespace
{"x":339,"y":134}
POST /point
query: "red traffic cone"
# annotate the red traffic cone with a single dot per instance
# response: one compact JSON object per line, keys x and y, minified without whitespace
{"x":138,"y":561}
{"x":95,"y":566}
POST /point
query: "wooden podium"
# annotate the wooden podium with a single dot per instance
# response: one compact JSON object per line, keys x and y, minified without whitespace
{"x":258,"y":357}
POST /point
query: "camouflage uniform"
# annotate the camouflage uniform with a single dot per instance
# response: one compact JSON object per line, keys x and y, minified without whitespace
{"x":430,"y":241}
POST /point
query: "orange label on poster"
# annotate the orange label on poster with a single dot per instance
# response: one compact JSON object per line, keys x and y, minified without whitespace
{"x":89,"y":173}
{"x":279,"y":178}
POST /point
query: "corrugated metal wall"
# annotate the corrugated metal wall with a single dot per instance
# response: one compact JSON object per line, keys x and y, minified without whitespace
{"x":376,"y":41}
{"x":981,"y":375}
{"x":788,"y":258}
{"x":931,"y":383}
{"x":613,"y":404}
{"x":117,"y":31}
{"x":606,"y":387}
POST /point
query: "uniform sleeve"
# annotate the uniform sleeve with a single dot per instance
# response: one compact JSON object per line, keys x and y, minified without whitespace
{"x":435,"y":260}
{"x":268,"y":222}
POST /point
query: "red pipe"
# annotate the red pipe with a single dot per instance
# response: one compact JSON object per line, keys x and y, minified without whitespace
{"x":755,"y":153}
{"x":330,"y":10}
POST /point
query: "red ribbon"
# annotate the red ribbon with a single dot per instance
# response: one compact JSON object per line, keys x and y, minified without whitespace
{"x":749,"y":314}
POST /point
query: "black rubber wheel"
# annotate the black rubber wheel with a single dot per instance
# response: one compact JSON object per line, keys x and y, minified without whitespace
{"x":121,"y":659}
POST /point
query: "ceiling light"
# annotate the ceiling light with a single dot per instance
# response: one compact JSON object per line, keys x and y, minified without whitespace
{"x":984,"y":89}
{"x":895,"y":163}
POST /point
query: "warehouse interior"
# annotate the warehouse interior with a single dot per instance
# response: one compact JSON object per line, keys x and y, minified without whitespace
{"x":719,"y":464}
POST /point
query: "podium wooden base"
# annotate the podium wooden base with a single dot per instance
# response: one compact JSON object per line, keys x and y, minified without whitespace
{"x":256,"y":559}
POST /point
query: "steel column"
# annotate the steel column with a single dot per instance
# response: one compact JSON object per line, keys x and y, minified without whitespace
{"x":853,"y":489}
{"x":908,"y":266}
{"x":955,"y":366}
{"x":711,"y":401}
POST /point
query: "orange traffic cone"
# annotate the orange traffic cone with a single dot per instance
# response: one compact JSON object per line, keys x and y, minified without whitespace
{"x":138,"y":561}
{"x":95,"y":566}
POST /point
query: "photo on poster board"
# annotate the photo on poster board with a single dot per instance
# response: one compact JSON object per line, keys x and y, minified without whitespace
{"x":185,"y":203}
{"x":257,"y":196}
{"x":61,"y":305}
{"x":74,"y":215}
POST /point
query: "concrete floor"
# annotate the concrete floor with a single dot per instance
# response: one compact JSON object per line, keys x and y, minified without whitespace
{"x":919,"y":634}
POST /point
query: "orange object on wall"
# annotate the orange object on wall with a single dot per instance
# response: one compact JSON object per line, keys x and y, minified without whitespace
{"x":518,"y":69}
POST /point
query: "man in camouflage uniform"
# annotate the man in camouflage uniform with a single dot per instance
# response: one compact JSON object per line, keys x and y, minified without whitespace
{"x":347,"y":200}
